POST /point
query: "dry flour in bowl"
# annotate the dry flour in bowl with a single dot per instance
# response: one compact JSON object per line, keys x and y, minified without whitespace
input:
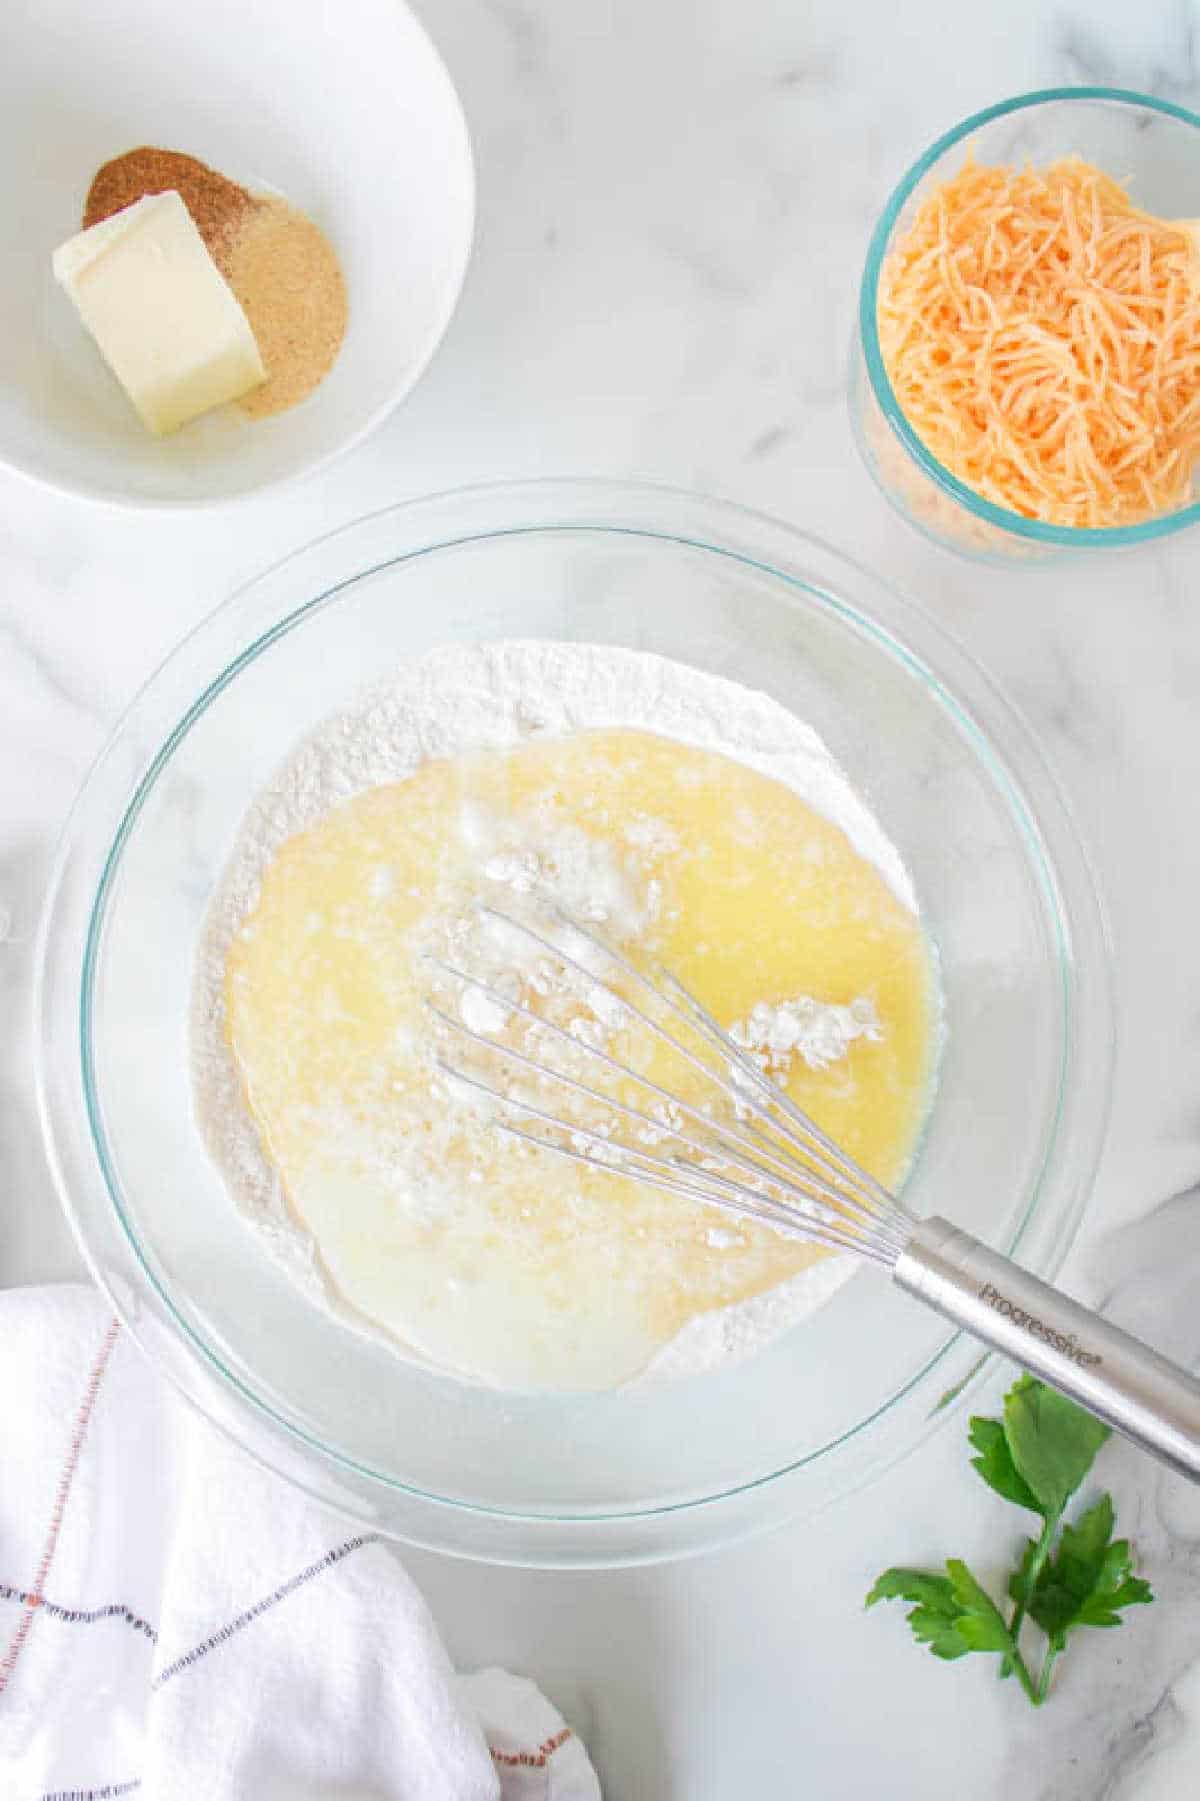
{"x":467,"y":699}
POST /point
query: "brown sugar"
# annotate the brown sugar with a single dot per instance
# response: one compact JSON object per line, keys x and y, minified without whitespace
{"x":286,"y":275}
{"x":218,"y":206}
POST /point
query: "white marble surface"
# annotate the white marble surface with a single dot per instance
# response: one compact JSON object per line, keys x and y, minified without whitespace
{"x":675,"y":199}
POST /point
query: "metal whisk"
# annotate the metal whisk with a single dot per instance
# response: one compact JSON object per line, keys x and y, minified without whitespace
{"x":684,"y":1108}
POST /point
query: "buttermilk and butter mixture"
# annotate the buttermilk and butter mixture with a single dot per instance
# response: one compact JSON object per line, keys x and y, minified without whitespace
{"x":690,"y":821}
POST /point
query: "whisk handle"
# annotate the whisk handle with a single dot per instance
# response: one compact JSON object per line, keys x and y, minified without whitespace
{"x":1116,"y":1377}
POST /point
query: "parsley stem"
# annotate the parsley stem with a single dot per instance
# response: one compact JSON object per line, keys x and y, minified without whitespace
{"x":1021,"y":1669}
{"x":1040,"y":1553}
{"x":1043,"y":1687}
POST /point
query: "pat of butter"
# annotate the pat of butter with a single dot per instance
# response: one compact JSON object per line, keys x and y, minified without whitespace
{"x":165,"y":319}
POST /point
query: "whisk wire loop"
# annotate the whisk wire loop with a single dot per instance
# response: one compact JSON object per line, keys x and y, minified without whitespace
{"x":740,"y":1146}
{"x":744,"y":1146}
{"x":754,"y":1093}
{"x":818,"y":1145}
{"x":767,"y":1162}
{"x":661,"y":1172}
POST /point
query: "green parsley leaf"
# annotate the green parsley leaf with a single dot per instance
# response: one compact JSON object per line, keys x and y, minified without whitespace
{"x":899,"y":1584}
{"x":1053,"y":1442}
{"x":933,"y":1619}
{"x":1117,"y":1588}
{"x":1071,"y":1575}
{"x":1088,"y":1580}
{"x":980,"y":1624}
{"x":953,"y":1613}
{"x":995,"y":1463}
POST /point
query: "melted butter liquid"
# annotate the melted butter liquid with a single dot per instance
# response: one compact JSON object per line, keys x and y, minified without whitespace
{"x":510,"y":1265}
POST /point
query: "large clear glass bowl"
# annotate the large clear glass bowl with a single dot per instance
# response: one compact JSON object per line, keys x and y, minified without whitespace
{"x":1015,"y":1127}
{"x":1150,"y":146}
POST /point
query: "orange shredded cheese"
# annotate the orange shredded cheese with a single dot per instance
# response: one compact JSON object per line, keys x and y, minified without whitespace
{"x":1042,"y":337}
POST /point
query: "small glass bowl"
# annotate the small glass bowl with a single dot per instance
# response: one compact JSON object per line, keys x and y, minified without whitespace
{"x":1150,"y":146}
{"x":951,"y":774}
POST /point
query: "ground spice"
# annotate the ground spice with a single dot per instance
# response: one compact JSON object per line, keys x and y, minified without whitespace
{"x":284,"y":272}
{"x":280,"y":265}
{"x":218,"y":206}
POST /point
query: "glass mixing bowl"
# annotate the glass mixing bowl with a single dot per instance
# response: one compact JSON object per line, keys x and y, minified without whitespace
{"x":1015,"y":1126}
{"x":1150,"y":146}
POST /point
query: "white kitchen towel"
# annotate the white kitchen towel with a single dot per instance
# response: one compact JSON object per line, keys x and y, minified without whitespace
{"x":177,"y":1624}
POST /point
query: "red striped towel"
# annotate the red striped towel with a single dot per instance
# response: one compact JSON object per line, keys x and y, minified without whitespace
{"x":177,"y":1624}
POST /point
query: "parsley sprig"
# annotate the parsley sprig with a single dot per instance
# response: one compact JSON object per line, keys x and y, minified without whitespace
{"x":1071,"y":1575}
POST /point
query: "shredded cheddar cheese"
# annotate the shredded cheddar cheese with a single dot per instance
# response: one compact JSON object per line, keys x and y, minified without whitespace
{"x":1042,"y":336}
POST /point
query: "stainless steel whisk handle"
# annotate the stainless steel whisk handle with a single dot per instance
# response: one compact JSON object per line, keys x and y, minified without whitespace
{"x":1116,"y":1377}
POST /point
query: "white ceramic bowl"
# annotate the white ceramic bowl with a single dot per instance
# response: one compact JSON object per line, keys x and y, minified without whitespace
{"x":348,"y":111}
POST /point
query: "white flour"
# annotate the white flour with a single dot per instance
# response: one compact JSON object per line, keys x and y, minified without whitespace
{"x":818,"y":1032}
{"x":475,"y":697}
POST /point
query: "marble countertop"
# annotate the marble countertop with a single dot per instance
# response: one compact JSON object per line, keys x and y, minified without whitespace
{"x":674,"y":203}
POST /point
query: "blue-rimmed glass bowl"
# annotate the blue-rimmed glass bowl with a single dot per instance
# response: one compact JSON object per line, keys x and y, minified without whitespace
{"x":1014,"y":1130}
{"x":1150,"y":146}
